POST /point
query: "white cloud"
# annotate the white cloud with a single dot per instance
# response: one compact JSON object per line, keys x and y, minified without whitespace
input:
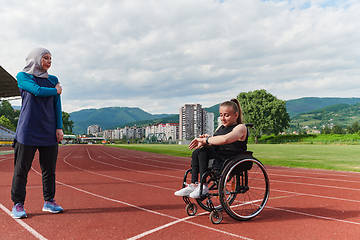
{"x":159,"y":55}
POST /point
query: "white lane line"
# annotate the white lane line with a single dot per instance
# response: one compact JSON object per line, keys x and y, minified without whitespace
{"x":130,"y":169}
{"x":7,"y":158}
{"x":318,"y":196}
{"x":147,"y":210}
{"x":24,"y":225}
{"x":312,"y":215}
{"x":133,"y":162}
{"x":316,"y":178}
{"x":313,"y":195}
{"x":172,"y":223}
{"x":316,"y":185}
{"x":177,"y":220}
{"x":184,"y":220}
{"x":120,"y":179}
{"x":144,"y":157}
{"x":314,"y":171}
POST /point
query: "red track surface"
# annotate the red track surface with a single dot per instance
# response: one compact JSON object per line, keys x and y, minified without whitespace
{"x":116,"y":193}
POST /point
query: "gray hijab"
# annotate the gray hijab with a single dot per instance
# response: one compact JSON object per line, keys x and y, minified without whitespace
{"x":33,"y":63}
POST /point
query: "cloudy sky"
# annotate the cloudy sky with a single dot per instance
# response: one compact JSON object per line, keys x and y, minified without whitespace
{"x":161,"y":54}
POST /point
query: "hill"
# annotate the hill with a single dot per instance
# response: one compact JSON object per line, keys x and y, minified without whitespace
{"x":109,"y":117}
{"x":337,"y":114}
{"x":307,"y":104}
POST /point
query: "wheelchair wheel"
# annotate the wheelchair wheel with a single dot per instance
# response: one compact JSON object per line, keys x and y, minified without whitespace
{"x":249,"y":185}
{"x":216,"y":217}
{"x":191,"y":209}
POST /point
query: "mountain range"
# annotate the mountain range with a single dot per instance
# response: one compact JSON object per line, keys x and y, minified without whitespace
{"x":307,"y":104}
{"x":112,"y":117}
{"x":109,"y":117}
{"x":338,"y":114}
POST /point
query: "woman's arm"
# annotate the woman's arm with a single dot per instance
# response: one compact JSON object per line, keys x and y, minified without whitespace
{"x":58,"y":115}
{"x":26,"y":83}
{"x":238,"y":133}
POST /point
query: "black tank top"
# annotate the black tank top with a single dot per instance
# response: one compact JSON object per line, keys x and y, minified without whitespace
{"x":231,"y":149}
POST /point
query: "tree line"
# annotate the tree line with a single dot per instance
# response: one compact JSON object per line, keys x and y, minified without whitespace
{"x":337,"y":129}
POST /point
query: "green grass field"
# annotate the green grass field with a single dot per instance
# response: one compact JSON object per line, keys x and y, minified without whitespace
{"x":329,"y":157}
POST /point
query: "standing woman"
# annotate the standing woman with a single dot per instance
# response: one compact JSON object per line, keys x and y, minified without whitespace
{"x":230,"y":139}
{"x":39,"y":128}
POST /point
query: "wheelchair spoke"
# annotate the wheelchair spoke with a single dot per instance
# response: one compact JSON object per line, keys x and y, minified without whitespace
{"x":251,"y":192}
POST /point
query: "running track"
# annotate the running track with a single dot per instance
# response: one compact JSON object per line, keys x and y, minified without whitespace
{"x":111,"y":193}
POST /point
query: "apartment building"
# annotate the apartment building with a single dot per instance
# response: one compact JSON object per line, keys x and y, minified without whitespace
{"x":172,"y":131}
{"x":194,"y":121}
{"x":209,"y":126}
{"x":93,"y":129}
{"x":163,"y":130}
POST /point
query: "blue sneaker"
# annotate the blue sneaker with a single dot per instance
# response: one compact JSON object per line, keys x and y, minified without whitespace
{"x":18,"y":211}
{"x":51,"y":206}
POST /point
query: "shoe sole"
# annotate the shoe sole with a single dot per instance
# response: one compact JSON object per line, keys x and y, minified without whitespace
{"x":182,"y":195}
{"x":195,"y":197}
{"x":49,"y":210}
{"x":23,"y":216}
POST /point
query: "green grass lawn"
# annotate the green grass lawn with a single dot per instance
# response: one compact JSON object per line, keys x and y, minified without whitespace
{"x":329,"y":157}
{"x":6,"y":152}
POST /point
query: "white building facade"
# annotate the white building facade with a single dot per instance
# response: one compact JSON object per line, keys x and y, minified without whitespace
{"x":93,"y":129}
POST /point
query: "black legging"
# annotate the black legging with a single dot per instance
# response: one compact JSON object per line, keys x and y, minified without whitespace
{"x":24,"y":156}
{"x":200,"y":160}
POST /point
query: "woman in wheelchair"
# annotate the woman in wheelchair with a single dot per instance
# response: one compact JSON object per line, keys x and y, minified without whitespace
{"x":230,"y":139}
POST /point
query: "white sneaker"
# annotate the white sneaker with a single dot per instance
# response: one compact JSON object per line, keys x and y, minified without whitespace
{"x":196,"y":192}
{"x":184,"y":192}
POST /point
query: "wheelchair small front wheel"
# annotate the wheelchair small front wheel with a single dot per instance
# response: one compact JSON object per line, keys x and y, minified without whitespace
{"x":191,"y":209}
{"x":216,"y":217}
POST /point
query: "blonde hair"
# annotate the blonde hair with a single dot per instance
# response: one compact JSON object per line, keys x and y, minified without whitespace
{"x":235,"y":105}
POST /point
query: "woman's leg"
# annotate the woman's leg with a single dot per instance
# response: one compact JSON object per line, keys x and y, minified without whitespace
{"x":194,"y":175}
{"x":204,"y":156}
{"x":23,"y":157}
{"x":195,"y":166}
{"x":200,"y":160}
{"x":47,"y":160}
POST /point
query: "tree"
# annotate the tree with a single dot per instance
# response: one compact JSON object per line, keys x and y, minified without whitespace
{"x":350,"y":130}
{"x":67,"y":123}
{"x":356,"y":127}
{"x":337,"y":129}
{"x":326,"y":130}
{"x":8,"y":111}
{"x":6,"y":123}
{"x":266,"y":112}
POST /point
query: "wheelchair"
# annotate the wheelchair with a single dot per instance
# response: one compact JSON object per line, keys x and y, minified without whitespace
{"x":240,"y":186}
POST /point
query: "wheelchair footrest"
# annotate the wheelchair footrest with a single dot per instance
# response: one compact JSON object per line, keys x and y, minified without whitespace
{"x":210,"y":205}
{"x":186,"y":200}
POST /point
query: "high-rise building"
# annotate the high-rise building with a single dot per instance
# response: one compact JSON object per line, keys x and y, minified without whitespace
{"x":209,"y":120}
{"x":194,"y":121}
